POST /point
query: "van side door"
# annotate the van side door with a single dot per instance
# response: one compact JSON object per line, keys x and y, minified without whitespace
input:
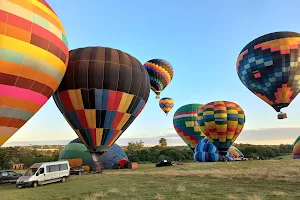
{"x":41,"y":175}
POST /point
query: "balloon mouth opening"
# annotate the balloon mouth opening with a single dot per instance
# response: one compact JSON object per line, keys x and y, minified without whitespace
{"x":279,"y":106}
{"x":282,"y":115}
{"x":99,"y":149}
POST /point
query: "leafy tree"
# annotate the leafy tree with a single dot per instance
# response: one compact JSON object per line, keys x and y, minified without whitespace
{"x":163,"y":142}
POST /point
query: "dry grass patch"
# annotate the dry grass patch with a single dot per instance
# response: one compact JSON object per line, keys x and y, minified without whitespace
{"x":100,"y":195}
{"x":90,"y":197}
{"x":254,"y":197}
{"x":113,"y":190}
{"x":278,"y":193}
{"x":256,"y":173}
{"x":180,"y":188}
{"x":132,"y":189}
{"x":159,"y":197}
{"x":231,"y":197}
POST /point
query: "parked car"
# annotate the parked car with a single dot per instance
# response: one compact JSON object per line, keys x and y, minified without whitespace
{"x":163,"y":163}
{"x":44,"y":173}
{"x":76,"y":170}
{"x":9,"y":176}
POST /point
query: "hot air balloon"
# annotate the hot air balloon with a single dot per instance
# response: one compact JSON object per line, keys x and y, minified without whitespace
{"x":205,"y":151}
{"x":166,"y":104}
{"x":236,"y":153}
{"x":296,"y":149}
{"x":268,"y":67}
{"x":102,"y":93}
{"x":34,"y":57}
{"x":161,"y":74}
{"x":186,"y":125}
{"x":75,"y":150}
{"x":221,"y":122}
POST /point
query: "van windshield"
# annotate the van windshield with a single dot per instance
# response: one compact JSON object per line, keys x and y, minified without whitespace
{"x":30,"y":172}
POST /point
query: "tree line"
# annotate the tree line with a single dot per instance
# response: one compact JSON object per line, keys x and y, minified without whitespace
{"x":26,"y":156}
{"x":136,"y":152}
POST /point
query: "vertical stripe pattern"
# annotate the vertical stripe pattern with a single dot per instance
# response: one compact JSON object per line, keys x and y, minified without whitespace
{"x":102,"y":93}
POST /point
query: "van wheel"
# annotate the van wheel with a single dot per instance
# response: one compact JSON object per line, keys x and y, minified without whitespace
{"x":63,"y":180}
{"x":34,"y":184}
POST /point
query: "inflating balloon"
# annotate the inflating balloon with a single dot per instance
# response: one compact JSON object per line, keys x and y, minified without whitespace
{"x":268,"y":67}
{"x":236,"y":153}
{"x":205,"y":151}
{"x":34,"y":57}
{"x":296,"y":149}
{"x":186,"y":125}
{"x":102,"y":93}
{"x":161,"y":74}
{"x":221,"y":122}
{"x":75,"y":150}
{"x":166,"y":104}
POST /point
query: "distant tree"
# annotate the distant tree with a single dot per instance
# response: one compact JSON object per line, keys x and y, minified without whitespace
{"x":135,"y":146}
{"x":163,"y":142}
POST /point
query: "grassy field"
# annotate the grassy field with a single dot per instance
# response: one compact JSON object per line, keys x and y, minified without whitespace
{"x":250,"y":180}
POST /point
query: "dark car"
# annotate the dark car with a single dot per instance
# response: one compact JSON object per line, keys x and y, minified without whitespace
{"x":9,"y":176}
{"x":76,"y":170}
{"x":163,"y":163}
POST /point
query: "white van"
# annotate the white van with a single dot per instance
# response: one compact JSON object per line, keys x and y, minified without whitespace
{"x":44,"y":173}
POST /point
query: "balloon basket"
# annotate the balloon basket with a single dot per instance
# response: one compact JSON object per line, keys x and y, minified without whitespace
{"x":96,"y":158}
{"x":282,"y":115}
{"x":157,"y":97}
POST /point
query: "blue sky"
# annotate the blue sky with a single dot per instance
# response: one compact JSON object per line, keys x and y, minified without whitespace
{"x":200,"y":40}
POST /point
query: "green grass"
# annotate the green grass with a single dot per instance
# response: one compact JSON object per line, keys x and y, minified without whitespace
{"x":250,"y":180}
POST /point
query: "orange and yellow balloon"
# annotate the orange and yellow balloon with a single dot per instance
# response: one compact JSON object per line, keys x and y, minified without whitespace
{"x":221,"y":122}
{"x":166,"y":104}
{"x":34,"y":57}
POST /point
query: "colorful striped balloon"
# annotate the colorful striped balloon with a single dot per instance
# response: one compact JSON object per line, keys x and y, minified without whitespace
{"x":166,"y":104}
{"x":186,"y":125}
{"x":205,"y":151}
{"x":33,"y":59}
{"x":161,"y":73}
{"x":103,"y":92}
{"x":296,"y":149}
{"x":236,"y":153}
{"x":202,"y":156}
{"x":221,"y":122}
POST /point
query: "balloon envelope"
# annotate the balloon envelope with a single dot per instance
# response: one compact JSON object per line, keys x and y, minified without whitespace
{"x":268,"y":67}
{"x":166,"y":104}
{"x":186,"y":125}
{"x":76,"y":150}
{"x":205,"y":151}
{"x":206,"y":157}
{"x":221,"y":122}
{"x":33,"y":60}
{"x":296,"y":149}
{"x":102,"y":93}
{"x":236,"y":153}
{"x":161,"y":73}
